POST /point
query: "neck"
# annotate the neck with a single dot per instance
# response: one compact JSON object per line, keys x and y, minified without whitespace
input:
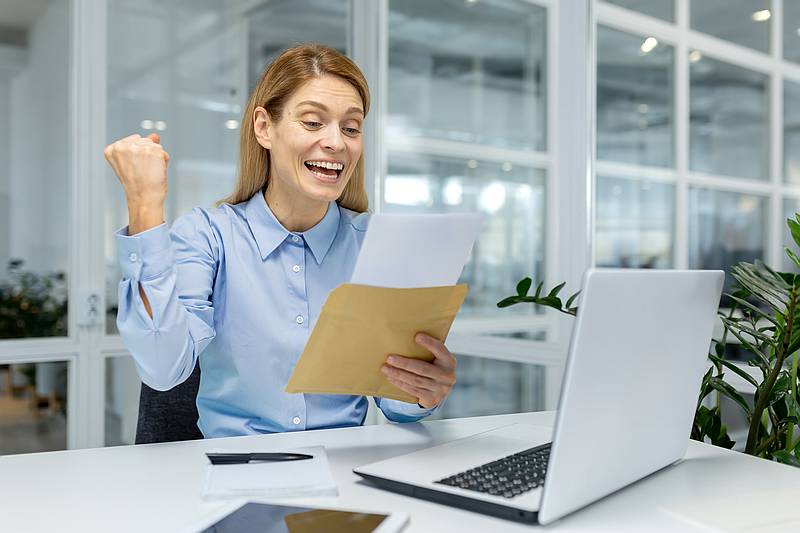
{"x":293,"y":213}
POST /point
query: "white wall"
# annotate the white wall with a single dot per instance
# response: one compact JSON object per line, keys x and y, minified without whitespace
{"x":39,"y":171}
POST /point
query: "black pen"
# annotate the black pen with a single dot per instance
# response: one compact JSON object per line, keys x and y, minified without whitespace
{"x":243,"y":458}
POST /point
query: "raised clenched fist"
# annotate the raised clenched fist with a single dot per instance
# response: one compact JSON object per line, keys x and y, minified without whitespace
{"x":141,"y":166}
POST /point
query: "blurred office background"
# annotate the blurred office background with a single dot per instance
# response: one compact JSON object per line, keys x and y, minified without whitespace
{"x":697,"y":144}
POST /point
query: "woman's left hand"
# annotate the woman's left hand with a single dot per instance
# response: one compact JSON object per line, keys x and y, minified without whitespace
{"x":430,"y":382}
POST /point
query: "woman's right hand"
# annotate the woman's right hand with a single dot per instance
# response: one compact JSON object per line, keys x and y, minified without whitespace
{"x":141,"y":166}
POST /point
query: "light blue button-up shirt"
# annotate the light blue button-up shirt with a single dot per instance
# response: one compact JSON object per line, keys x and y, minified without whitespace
{"x":234,"y":289}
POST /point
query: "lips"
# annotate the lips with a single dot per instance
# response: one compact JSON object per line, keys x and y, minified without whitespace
{"x":325,"y":170}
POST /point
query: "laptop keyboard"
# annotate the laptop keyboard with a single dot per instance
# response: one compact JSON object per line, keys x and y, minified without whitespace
{"x":507,"y":477}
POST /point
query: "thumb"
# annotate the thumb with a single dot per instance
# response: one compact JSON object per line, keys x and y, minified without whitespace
{"x":155,"y":138}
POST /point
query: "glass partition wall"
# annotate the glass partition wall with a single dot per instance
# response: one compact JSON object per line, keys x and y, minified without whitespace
{"x":192,"y":82}
{"x":465,"y":121}
{"x":35,"y":232}
{"x":696,"y":140}
{"x":697,"y":144}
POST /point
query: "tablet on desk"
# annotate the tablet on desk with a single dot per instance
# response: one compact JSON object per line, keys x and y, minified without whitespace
{"x":270,"y":518}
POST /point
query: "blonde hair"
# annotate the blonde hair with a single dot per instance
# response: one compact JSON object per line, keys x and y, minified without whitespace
{"x":287,"y":73}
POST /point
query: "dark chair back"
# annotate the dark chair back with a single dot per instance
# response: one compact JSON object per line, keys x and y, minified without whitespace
{"x":171,"y":415}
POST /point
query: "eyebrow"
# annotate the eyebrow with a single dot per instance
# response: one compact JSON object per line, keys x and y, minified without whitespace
{"x":325,"y":108}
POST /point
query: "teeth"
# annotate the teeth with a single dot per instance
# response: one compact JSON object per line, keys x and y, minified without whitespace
{"x":326,"y":164}
{"x":324,"y":176}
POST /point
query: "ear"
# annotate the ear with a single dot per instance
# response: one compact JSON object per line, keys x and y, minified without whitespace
{"x":262,"y":127}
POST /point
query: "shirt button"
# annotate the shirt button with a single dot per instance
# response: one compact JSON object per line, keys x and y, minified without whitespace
{"x":296,"y":420}
{"x":299,"y":319}
{"x":133,"y":257}
{"x":296,"y":268}
{"x":295,"y":238}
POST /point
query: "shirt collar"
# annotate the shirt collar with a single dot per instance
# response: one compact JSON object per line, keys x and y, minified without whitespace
{"x":269,"y":233}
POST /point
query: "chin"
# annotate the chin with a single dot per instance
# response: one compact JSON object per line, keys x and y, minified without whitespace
{"x":325,"y":195}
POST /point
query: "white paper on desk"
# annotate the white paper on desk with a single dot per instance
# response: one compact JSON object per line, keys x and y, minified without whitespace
{"x":272,"y":479}
{"x":407,"y":251}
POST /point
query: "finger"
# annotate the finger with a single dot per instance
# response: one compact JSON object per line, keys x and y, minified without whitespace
{"x":146,"y":141}
{"x":109,"y":150}
{"x":155,"y":137}
{"x":424,"y":397}
{"x":440,"y":352}
{"x":410,"y":378}
{"x":421,"y":368}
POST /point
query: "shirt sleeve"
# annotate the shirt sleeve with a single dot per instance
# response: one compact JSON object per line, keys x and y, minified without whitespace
{"x":176,"y":271}
{"x":398,"y":411}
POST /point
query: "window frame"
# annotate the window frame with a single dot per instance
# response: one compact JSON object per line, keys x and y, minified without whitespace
{"x":88,"y":347}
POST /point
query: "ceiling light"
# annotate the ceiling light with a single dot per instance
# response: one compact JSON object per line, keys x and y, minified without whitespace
{"x":695,"y":56}
{"x":402,"y":189}
{"x":453,"y":192}
{"x":472,"y":163}
{"x":160,"y":125}
{"x":643,"y":108}
{"x":648,"y":45}
{"x":761,"y":16}
{"x":493,"y":197}
{"x":231,"y":124}
{"x":146,"y":124}
{"x":507,"y":166}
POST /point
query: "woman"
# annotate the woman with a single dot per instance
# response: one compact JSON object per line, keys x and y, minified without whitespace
{"x":243,"y":283}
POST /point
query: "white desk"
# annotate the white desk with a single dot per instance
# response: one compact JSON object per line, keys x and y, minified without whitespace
{"x":154,"y":488}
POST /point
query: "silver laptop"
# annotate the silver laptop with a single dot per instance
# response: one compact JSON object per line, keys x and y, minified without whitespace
{"x":636,"y":359}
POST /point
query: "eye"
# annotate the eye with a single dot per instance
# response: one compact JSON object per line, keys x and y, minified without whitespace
{"x":312,"y":124}
{"x":352,"y":132}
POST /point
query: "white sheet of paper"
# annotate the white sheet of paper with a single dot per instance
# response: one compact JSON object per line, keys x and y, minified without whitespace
{"x":407,"y":251}
{"x":278,"y":479}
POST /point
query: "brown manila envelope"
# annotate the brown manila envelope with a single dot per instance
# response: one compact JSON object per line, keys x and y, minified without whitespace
{"x":360,"y":325}
{"x":331,"y":521}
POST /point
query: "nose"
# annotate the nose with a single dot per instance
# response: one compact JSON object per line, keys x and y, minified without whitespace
{"x":333,"y":140}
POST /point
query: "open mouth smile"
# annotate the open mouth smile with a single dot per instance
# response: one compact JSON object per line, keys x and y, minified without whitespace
{"x":325,"y":170}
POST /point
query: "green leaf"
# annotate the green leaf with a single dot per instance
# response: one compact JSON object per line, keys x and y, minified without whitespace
{"x":726,"y":389}
{"x":704,"y":419}
{"x":572,"y":299}
{"x":794,"y":229}
{"x":741,"y":293}
{"x":508,"y":302}
{"x":779,"y":389}
{"x":705,"y":388}
{"x":550,"y":301}
{"x":742,"y":326}
{"x":750,"y":348}
{"x":733,"y":367}
{"x":524,"y":286}
{"x":763,"y":288}
{"x":719,"y":349}
{"x":556,"y":290}
{"x":539,"y":289}
{"x":759,"y":312}
{"x":786,"y":457}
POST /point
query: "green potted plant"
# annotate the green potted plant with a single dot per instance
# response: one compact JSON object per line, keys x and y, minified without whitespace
{"x":31,"y":304}
{"x":764,"y":317}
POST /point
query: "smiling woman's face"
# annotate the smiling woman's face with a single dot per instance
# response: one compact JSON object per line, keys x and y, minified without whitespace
{"x":316,"y":144}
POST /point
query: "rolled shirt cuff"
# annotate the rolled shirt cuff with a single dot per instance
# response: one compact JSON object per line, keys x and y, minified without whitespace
{"x":406,"y":412}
